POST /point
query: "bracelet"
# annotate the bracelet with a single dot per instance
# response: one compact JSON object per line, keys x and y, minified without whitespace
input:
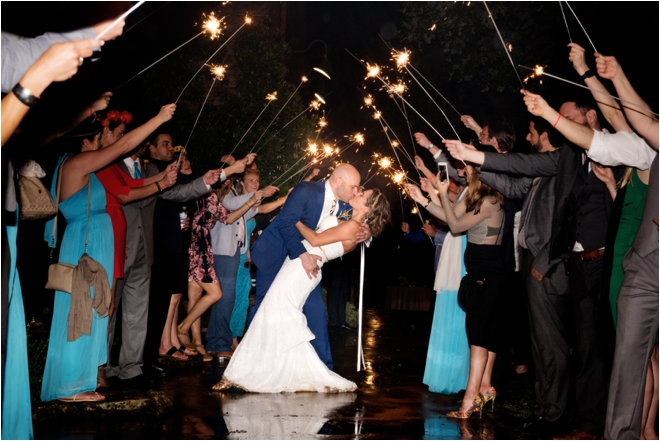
{"x":588,"y":74}
{"x":249,"y":206}
{"x":24,"y":95}
{"x":556,"y":122}
{"x":430,"y":146}
{"x":160,"y":190}
{"x":428,"y":202}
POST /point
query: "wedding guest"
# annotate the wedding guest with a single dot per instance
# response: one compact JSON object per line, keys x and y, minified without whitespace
{"x":481,"y":214}
{"x":75,"y":350}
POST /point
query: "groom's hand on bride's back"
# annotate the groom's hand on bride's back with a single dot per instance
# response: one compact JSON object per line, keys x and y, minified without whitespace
{"x":309,"y":264}
{"x":364,"y":234}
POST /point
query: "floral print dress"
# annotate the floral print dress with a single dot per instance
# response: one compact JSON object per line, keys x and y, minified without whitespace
{"x":209,"y":211}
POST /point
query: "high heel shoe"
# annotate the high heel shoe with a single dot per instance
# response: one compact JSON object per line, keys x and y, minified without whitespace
{"x":477,"y":404}
{"x":490,"y":396}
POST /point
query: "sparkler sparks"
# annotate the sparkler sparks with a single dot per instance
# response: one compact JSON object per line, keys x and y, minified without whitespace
{"x":395,"y":143}
{"x":248,"y":20}
{"x":402,"y":58}
{"x":538,"y":71}
{"x":319,"y":97}
{"x":327,"y":149}
{"x":357,"y":138}
{"x":385,"y":162}
{"x":398,"y":177}
{"x":432,"y":28}
{"x":218,"y":71}
{"x":315,"y":105}
{"x":304,"y":79}
{"x":313,"y":149}
{"x":213,"y":25}
{"x":322,"y":122}
{"x":377,"y":114}
{"x":272,"y":96}
{"x":368,"y":101}
{"x":373,"y":70}
{"x":397,"y":89}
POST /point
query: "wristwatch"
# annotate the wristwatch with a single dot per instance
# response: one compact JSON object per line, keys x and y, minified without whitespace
{"x":588,"y":74}
{"x":429,"y":147}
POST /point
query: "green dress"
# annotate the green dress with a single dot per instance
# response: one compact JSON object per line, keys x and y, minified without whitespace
{"x":631,"y":219}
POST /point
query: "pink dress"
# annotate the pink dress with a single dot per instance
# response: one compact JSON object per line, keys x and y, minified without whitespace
{"x":209,"y":211}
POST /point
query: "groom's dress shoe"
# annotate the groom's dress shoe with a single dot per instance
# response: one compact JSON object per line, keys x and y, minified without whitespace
{"x":222,"y":355}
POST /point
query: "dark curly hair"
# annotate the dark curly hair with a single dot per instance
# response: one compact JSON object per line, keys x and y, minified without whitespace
{"x":379,"y":212}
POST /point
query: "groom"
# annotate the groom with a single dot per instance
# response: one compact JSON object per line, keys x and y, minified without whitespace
{"x":308,"y":203}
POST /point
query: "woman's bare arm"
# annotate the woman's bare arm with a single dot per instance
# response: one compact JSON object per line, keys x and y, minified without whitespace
{"x":344,"y":231}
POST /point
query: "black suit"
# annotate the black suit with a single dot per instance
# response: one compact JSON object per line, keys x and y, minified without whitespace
{"x":580,"y":210}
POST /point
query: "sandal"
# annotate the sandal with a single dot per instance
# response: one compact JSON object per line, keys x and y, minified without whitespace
{"x":201,"y":350}
{"x":184,"y":348}
{"x":175,"y":353}
{"x":83,"y":397}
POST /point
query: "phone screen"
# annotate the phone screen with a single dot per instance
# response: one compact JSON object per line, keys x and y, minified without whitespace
{"x":443,"y":174}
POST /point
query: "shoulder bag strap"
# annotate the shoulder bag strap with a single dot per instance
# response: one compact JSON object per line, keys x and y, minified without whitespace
{"x":57,"y":205}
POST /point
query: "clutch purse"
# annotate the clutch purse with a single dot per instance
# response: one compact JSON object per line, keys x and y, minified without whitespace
{"x":470,"y":292}
{"x":60,"y":277}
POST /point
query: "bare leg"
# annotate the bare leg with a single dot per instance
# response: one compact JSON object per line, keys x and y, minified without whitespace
{"x":650,"y":398}
{"x":234,"y":343}
{"x":166,"y":338}
{"x":478,"y":361}
{"x":174,"y":332}
{"x":195,"y":292}
{"x":213,"y":294}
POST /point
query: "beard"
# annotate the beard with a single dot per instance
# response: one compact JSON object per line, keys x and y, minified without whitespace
{"x":536,"y":148}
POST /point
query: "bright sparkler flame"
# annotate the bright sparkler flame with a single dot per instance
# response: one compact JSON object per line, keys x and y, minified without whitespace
{"x":373,"y":70}
{"x":398,"y":177}
{"x":319,"y":97}
{"x":358,"y":138}
{"x":322,"y":72}
{"x":272,"y":96}
{"x":398,"y":88}
{"x":432,"y":28}
{"x":510,"y":47}
{"x":368,"y":101}
{"x":313,"y":148}
{"x":218,"y":71}
{"x":385,"y":162}
{"x":377,"y":114}
{"x":395,"y":143}
{"x":402,"y":58}
{"x":538,"y":71}
{"x":327,"y":149}
{"x":315,"y":105}
{"x":214,"y":26}
{"x":248,"y":20}
{"x":414,"y":210}
{"x":322,"y":122}
{"x":304,"y":79}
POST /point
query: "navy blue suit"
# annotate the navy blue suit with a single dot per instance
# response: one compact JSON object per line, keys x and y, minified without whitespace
{"x":281,"y":239}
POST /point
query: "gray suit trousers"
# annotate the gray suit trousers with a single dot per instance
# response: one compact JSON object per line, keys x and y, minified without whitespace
{"x":637,"y":327}
{"x":549,"y":303}
{"x":133,"y":293}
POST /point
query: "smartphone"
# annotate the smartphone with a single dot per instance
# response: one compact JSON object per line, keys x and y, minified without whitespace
{"x":443,"y":171}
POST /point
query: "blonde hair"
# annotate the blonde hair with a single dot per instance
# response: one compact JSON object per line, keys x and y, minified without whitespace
{"x":379,"y":212}
{"x":626,"y":179}
{"x":478,"y":191}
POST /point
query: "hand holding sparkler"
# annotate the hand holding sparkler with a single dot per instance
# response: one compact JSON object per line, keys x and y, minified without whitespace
{"x":101,"y":103}
{"x":463,"y":152}
{"x":239,"y":166}
{"x":441,"y":186}
{"x":170,"y":177}
{"x":166,"y":113}
{"x":576,"y":56}
{"x":212,"y":176}
{"x":608,"y":67}
{"x":416,"y":194}
{"x":363,"y":234}
{"x":471,"y":124}
{"x":536,"y":105}
{"x":269,"y":191}
{"x":419,"y":163}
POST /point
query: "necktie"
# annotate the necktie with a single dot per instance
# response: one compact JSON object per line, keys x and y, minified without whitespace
{"x":136,"y":171}
{"x":585,"y":164}
{"x":334,"y":206}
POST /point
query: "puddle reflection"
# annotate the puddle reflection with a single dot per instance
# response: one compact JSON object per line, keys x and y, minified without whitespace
{"x":280,"y":416}
{"x":451,"y":428}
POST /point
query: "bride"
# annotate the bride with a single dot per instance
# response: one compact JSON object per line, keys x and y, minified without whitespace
{"x":276,"y":354}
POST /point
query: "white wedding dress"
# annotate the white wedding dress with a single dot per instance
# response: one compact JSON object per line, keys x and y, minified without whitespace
{"x":276,"y":354}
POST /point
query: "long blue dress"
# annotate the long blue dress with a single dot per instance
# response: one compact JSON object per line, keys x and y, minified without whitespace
{"x":16,"y":408}
{"x":448,"y":357}
{"x":72,"y":367}
{"x":243,"y":286}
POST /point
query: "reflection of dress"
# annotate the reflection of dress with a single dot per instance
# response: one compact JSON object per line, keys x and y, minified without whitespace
{"x":243,"y":286}
{"x":209,"y":211}
{"x":275,"y":354}
{"x":72,"y":366}
{"x":116,"y":183}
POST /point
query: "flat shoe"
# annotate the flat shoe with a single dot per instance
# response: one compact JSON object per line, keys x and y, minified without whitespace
{"x":83,"y":397}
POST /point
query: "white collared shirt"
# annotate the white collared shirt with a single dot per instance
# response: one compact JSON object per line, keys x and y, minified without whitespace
{"x":327,"y":202}
{"x":131,"y":169}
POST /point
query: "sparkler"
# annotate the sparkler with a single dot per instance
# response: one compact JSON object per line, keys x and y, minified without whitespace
{"x":322,"y":73}
{"x":121,"y":18}
{"x":185,"y":148}
{"x":580,"y":23}
{"x":503,"y":44}
{"x":247,"y":21}
{"x":270,"y":98}
{"x":212,"y":25}
{"x":302,"y":80}
{"x":538,"y":70}
{"x":565,"y":22}
{"x":368,"y":101}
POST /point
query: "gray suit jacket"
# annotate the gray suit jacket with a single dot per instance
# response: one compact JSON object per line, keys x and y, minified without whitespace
{"x":225,"y":237}
{"x":140,"y":214}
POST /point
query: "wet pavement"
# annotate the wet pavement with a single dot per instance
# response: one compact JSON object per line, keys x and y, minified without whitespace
{"x":391,"y":401}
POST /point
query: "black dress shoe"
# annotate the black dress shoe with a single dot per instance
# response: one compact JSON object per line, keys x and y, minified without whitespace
{"x":538,"y":426}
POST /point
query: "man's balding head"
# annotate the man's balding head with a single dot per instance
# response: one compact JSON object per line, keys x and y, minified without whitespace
{"x":345,"y":182}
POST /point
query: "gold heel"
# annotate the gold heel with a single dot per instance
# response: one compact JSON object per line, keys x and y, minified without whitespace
{"x":477,"y":404}
{"x":490,"y":395}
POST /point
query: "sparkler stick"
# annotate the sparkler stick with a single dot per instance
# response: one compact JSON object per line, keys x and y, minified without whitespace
{"x":157,"y":61}
{"x":565,"y":22}
{"x":303,"y":80}
{"x":123,"y":16}
{"x":360,"y":352}
{"x":583,"y":29}
{"x":248,"y":21}
{"x":538,"y":70}
{"x":504,"y":45}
